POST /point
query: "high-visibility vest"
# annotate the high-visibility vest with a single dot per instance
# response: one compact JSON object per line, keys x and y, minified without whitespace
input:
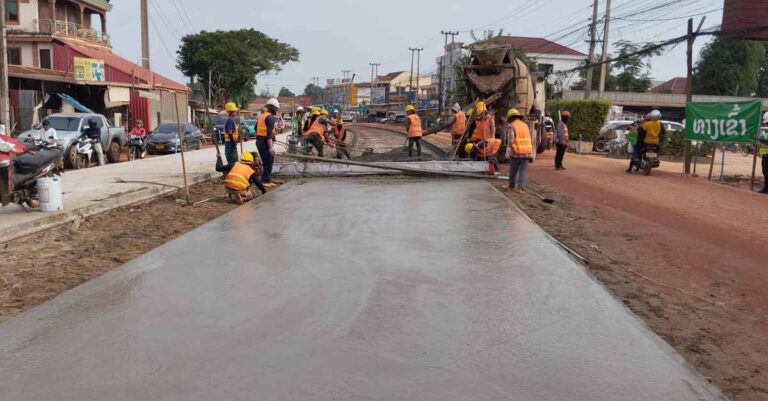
{"x":521,"y":143}
{"x":414,"y":129}
{"x":483,"y":129}
{"x":459,"y":125}
{"x":316,"y":128}
{"x":652,"y":132}
{"x":238,"y":178}
{"x":565,"y":134}
{"x":763,"y":148}
{"x":235,"y":135}
{"x":261,"y":125}
{"x":489,"y":148}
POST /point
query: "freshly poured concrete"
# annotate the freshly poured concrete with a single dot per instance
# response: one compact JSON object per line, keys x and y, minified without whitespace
{"x":351,"y":289}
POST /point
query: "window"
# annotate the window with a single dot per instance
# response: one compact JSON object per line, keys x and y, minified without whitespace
{"x":12,"y":10}
{"x":14,"y":56}
{"x":45,"y":59}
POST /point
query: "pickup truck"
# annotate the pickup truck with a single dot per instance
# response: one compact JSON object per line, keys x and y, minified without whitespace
{"x":69,"y":127}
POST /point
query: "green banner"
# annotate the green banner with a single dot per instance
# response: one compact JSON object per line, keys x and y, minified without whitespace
{"x":722,"y":122}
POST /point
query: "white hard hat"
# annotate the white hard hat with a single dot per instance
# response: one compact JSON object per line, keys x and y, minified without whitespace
{"x":765,"y":118}
{"x":456,"y":107}
{"x":299,"y":109}
{"x":655,"y":114}
{"x":336,"y":111}
{"x":274,"y":103}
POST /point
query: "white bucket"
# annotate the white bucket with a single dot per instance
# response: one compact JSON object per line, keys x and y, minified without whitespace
{"x":49,"y":190}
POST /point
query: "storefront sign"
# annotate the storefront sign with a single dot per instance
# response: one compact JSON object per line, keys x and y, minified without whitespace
{"x":722,"y":122}
{"x":89,"y":69}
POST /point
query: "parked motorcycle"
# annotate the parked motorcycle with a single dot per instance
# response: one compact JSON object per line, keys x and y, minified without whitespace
{"x":649,"y":159}
{"x":20,"y":169}
{"x":136,"y":148}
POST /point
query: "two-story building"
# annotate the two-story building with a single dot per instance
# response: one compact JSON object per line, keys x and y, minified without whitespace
{"x":60,"y":59}
{"x":556,"y":60}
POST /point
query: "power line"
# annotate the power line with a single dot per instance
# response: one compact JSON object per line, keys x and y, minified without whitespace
{"x":189,"y":20}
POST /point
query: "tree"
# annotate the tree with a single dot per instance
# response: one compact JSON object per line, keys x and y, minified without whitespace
{"x":632,"y":66}
{"x":610,"y":79}
{"x":729,"y":67}
{"x":285,"y":92}
{"x":315,"y":92}
{"x":265,"y":93}
{"x":234,"y":58}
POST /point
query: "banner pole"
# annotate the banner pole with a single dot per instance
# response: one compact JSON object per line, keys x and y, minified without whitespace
{"x":696,"y":158}
{"x":712,"y":162}
{"x":754,"y":165}
{"x":722,"y":163}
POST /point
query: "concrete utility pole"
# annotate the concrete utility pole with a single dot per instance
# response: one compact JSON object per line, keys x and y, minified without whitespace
{"x":592,"y":44}
{"x":410,"y":76}
{"x":374,"y":72}
{"x":145,"y":35}
{"x":441,"y":76}
{"x":418,"y":74}
{"x":345,"y":74}
{"x":5,"y":111}
{"x":604,"y":59}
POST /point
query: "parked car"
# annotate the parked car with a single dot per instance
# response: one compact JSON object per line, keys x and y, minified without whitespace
{"x":397,"y":119}
{"x":165,"y":138}
{"x":69,"y":127}
{"x":620,"y":129}
{"x":218,"y":127}
{"x":347,"y":116}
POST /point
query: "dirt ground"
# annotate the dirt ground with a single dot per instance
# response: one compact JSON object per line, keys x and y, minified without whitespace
{"x":32,"y":274}
{"x":686,"y":255}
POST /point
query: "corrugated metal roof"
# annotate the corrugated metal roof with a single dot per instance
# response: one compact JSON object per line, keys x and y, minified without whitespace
{"x":541,"y":46}
{"x":19,"y":71}
{"x":675,"y":85}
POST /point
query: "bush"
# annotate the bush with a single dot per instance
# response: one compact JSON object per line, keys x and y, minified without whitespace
{"x":674,"y":145}
{"x":587,"y":116}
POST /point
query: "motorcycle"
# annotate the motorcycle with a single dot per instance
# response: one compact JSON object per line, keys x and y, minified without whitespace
{"x":136,"y":148}
{"x":20,"y":169}
{"x":85,"y":152}
{"x":649,"y":159}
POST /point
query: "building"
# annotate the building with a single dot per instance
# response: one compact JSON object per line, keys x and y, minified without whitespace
{"x":60,"y":59}
{"x":678,"y":85}
{"x":447,"y":63}
{"x":550,"y":57}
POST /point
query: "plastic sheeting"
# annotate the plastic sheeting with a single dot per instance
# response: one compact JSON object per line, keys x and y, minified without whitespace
{"x":303,"y":169}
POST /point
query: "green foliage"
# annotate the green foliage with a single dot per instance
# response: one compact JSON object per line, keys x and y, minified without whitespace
{"x":610,"y":79}
{"x":459,"y":93}
{"x":265,"y":93}
{"x":729,"y":67}
{"x":315,"y":92}
{"x":285,"y":92}
{"x":587,"y":116}
{"x":631,"y":69}
{"x":234,"y":58}
{"x":674,"y":145}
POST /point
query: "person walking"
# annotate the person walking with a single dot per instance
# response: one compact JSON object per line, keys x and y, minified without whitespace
{"x":561,"y":139}
{"x":413,"y":129}
{"x":520,"y":150}
{"x":240,"y":175}
{"x":265,"y":139}
{"x":231,"y":134}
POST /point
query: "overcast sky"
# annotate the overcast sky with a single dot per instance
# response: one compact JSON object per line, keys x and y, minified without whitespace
{"x":348,"y":34}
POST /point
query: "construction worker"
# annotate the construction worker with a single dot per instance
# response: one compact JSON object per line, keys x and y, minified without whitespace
{"x":316,"y":131}
{"x":240,"y":175}
{"x":231,"y":134}
{"x":484,"y":126}
{"x":413,"y":129}
{"x":650,"y":132}
{"x":340,"y":136}
{"x":561,"y":139}
{"x":520,"y":149}
{"x":265,"y":138}
{"x":763,"y":142}
{"x":457,"y":123}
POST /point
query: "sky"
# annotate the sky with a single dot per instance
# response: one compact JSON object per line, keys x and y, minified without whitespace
{"x":336,"y":35}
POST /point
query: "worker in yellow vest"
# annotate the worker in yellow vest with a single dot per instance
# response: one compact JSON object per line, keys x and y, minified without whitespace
{"x":763,"y":141}
{"x":520,"y":149}
{"x":650,"y":133}
{"x":484,"y":126}
{"x":240,"y":175}
{"x":413,"y":129}
{"x":265,"y":138}
{"x":561,"y":139}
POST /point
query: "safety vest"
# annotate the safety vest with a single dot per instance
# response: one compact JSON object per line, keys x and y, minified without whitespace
{"x":238,"y":177}
{"x":763,"y":148}
{"x":488,"y":148}
{"x":261,"y":125}
{"x":316,"y":128}
{"x":521,"y":143}
{"x":565,"y":134}
{"x":459,"y":125}
{"x":652,"y":132}
{"x":483,"y":129}
{"x":414,"y":129}
{"x":235,"y":134}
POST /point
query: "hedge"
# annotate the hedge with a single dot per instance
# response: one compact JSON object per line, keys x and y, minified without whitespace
{"x":587,"y":116}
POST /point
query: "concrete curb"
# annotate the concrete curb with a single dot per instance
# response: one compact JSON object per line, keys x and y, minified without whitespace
{"x":56,"y":219}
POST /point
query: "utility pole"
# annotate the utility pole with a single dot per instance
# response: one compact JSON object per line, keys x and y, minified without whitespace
{"x":418,"y":74}
{"x":145,"y":34}
{"x":441,"y":76}
{"x":373,"y":77}
{"x":5,"y":112}
{"x":689,"y":88}
{"x":345,"y":74}
{"x":604,"y":58}
{"x":410,"y":76}
{"x":590,"y":60}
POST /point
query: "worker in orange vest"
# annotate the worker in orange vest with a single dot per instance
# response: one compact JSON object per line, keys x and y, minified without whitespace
{"x":413,"y":129}
{"x":317,"y":131}
{"x":340,"y":136}
{"x":265,"y":138}
{"x":520,"y":149}
{"x":240,"y":175}
{"x":456,"y":122}
{"x":561,"y":139}
{"x":484,"y":126}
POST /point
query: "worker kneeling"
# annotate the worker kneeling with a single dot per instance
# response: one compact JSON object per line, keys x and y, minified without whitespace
{"x":485,"y":151}
{"x":240,"y":175}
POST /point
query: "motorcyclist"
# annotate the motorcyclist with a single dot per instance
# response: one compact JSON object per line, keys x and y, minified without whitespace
{"x":93,"y":132}
{"x":141,"y":132}
{"x":48,"y":133}
{"x":650,"y":133}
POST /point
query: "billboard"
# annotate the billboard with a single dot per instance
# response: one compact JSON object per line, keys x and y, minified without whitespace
{"x":378,"y":95}
{"x":89,"y":69}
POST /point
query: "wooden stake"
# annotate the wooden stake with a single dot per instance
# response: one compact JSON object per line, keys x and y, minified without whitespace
{"x":754,"y":166}
{"x":181,"y":147}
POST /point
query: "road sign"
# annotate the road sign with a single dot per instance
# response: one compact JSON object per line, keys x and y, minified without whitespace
{"x":722,"y":122}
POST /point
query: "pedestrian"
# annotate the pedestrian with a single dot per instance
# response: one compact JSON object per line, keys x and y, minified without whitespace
{"x":265,"y":138}
{"x":48,"y":133}
{"x":520,"y":150}
{"x":763,"y":142}
{"x":93,"y":132}
{"x":340,"y":136}
{"x":413,"y":129}
{"x":231,"y":134}
{"x":561,"y":139}
{"x":240,"y":175}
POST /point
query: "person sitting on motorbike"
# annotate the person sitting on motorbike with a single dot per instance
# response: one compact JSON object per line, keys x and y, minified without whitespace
{"x":650,"y":133}
{"x":240,"y":175}
{"x":139,"y":129}
{"x":48,"y":133}
{"x":93,"y":132}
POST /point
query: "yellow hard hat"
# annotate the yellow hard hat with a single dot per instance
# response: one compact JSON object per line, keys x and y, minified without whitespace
{"x":247,"y":157}
{"x":512,"y":112}
{"x":480,"y":107}
{"x":315,"y":112}
{"x":468,"y":147}
{"x":324,"y":112}
{"x":230,"y":107}
{"x":410,"y":108}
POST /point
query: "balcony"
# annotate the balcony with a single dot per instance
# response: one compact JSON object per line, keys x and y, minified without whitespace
{"x":69,"y":30}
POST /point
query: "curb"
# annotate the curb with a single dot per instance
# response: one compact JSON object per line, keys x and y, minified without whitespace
{"x":125,"y":199}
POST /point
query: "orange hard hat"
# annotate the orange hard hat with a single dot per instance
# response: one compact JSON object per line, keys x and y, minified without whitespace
{"x":566,"y":113}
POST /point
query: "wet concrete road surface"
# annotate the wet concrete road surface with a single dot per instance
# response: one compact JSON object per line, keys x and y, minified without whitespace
{"x":346,"y":289}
